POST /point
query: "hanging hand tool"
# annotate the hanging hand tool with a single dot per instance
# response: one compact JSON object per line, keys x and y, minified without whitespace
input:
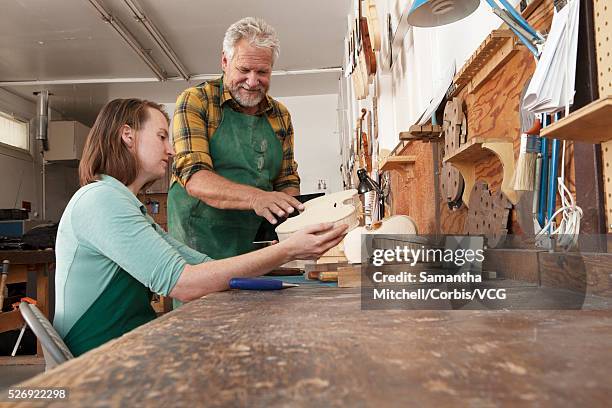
{"x":543,"y":176}
{"x":524,"y":174}
{"x":552,"y":179}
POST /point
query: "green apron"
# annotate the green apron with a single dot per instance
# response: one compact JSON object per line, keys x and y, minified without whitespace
{"x":123,"y":305}
{"x":245,"y":150}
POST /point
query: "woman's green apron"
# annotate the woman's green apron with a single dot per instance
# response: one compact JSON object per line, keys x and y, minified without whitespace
{"x":245,"y":150}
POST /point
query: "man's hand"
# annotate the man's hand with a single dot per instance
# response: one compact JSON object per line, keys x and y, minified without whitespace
{"x":219,"y":192}
{"x":313,"y":241}
{"x":272,"y":204}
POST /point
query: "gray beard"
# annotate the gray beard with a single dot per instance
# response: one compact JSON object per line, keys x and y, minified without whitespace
{"x":246,"y":103}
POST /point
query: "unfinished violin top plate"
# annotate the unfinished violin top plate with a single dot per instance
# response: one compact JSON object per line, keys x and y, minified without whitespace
{"x":339,"y":208}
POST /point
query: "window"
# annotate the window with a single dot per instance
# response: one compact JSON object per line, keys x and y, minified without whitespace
{"x":14,"y":132}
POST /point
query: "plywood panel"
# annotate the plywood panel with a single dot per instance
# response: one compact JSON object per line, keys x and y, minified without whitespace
{"x":603,"y":39}
{"x":606,"y":150}
{"x":413,"y":194}
{"x":492,"y":112}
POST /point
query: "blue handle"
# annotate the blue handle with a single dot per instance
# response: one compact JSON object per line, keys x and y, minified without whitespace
{"x":255,"y":284}
{"x":543,"y":177}
{"x":552,"y":180}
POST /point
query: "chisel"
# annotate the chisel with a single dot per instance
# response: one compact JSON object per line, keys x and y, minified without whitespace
{"x":259,"y":284}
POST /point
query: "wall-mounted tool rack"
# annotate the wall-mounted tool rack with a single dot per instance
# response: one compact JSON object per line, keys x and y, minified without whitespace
{"x":495,"y":51}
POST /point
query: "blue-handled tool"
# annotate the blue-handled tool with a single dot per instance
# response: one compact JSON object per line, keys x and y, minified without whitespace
{"x":259,"y":284}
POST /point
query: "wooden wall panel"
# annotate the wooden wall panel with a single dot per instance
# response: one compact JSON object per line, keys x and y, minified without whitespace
{"x":452,"y":221}
{"x":492,"y":112}
{"x":603,"y":37}
{"x":414,"y":195}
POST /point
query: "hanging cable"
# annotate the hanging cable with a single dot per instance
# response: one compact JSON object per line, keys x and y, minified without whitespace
{"x":569,"y":228}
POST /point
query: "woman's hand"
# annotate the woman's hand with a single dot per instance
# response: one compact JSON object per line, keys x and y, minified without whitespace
{"x":313,"y":241}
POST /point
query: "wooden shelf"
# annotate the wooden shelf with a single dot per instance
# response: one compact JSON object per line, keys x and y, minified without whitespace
{"x":404,"y":163}
{"x":425,"y":133}
{"x":470,"y":151}
{"x":465,"y":158}
{"x":494,"y":51}
{"x":590,"y":124}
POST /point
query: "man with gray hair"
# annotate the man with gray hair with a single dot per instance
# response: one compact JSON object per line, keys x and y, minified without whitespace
{"x":234,"y":149}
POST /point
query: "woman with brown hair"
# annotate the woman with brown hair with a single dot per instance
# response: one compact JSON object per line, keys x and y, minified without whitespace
{"x":111,"y":256}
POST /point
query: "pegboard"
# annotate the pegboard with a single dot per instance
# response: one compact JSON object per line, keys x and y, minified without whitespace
{"x":603,"y":42}
{"x":603,"y":38}
{"x":606,"y":149}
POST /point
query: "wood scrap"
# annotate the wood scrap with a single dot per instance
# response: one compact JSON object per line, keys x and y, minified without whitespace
{"x":328,"y":276}
{"x":331,"y":259}
{"x":285,"y":272}
{"x":313,"y":275}
{"x":425,"y":133}
{"x":349,"y":277}
{"x":312,"y":271}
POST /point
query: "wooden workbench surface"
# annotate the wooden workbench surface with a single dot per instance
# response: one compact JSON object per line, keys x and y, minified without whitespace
{"x":314,"y":346}
{"x":28,"y":256}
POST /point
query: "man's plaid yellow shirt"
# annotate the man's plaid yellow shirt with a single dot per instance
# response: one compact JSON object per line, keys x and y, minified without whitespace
{"x":198,"y":114}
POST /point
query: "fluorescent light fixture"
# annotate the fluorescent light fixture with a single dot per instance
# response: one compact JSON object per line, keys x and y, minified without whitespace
{"x":129,"y":39}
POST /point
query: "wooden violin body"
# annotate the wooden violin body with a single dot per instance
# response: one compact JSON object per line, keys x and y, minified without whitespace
{"x":342,"y":207}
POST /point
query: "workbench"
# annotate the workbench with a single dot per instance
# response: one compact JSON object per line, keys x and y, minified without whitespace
{"x":314,"y":346}
{"x":23,"y":262}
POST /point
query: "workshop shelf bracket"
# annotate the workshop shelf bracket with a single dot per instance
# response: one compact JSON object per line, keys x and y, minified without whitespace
{"x":466,"y":157}
{"x":401,"y":163}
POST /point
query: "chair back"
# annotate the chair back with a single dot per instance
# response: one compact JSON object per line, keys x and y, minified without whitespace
{"x":54,"y":349}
